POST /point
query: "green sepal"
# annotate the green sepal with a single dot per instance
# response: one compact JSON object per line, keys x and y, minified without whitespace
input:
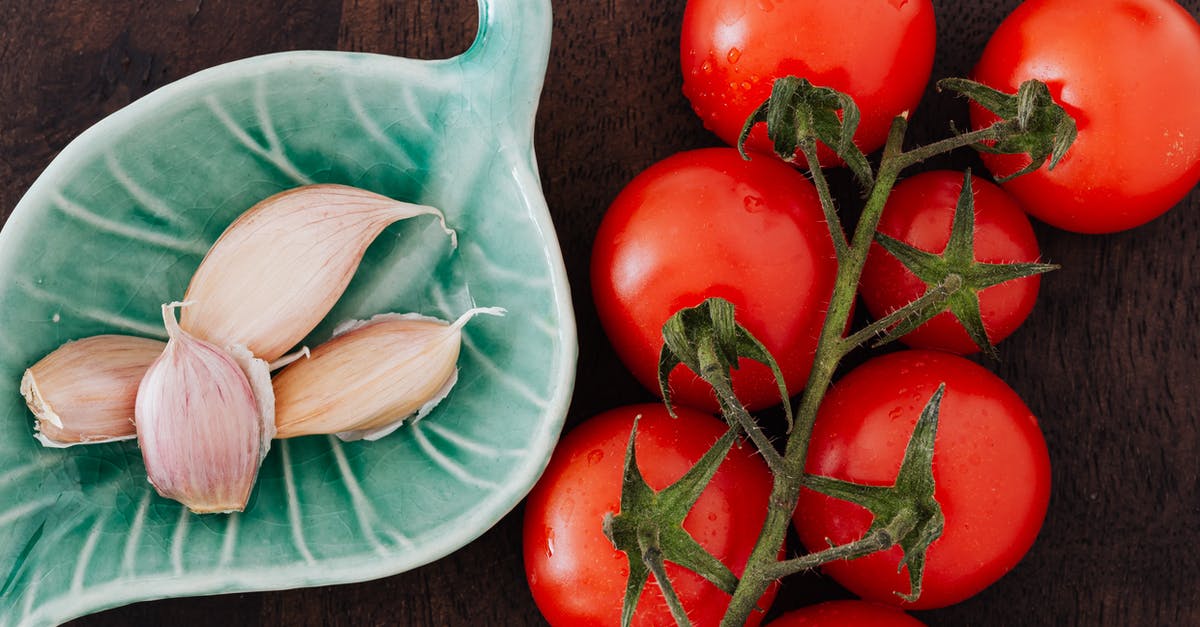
{"x":907,"y":510}
{"x":648,"y":528}
{"x":1035,"y":124}
{"x":708,"y":340}
{"x":798,"y":112}
{"x":956,"y":271}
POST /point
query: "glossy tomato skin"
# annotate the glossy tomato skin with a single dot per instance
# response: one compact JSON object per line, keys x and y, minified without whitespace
{"x":990,"y":465}
{"x":846,"y":614}
{"x":708,"y":223}
{"x":577,"y":577}
{"x":920,"y":212}
{"x":880,"y":52}
{"x":1125,"y":70}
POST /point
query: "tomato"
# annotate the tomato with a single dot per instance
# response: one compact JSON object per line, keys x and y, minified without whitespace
{"x":990,"y":465}
{"x":576,"y":575}
{"x":920,"y":212}
{"x":880,"y":52}
{"x":846,"y":614}
{"x":1121,"y":69}
{"x":708,"y":223}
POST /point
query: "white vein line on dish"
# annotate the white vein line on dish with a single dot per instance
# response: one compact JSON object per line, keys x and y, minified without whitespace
{"x":177,"y":540}
{"x":25,"y":509}
{"x":142,"y":236}
{"x":270,"y":154}
{"x":501,"y":272}
{"x":35,"y":582}
{"x":464,"y":442}
{"x":293,"y":501}
{"x":362,"y":505}
{"x":516,"y":384}
{"x":393,"y":148}
{"x":91,"y":313}
{"x":85,"y":554}
{"x":129,"y":560}
{"x":447,"y":464}
{"x":43,"y":462}
{"x":232,"y":527}
{"x":148,"y":201}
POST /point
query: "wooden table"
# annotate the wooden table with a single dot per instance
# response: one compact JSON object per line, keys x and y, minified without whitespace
{"x":1109,"y":359}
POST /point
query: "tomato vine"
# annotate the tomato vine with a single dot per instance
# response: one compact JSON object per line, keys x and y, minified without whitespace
{"x":801,"y":116}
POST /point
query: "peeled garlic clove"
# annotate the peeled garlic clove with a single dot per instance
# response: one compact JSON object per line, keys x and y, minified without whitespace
{"x":202,"y":425}
{"x":371,"y":376}
{"x":83,"y":392}
{"x":278,"y":269}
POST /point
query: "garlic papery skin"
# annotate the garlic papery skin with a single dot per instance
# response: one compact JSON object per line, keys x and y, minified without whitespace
{"x":279,"y":268}
{"x":84,"y":391}
{"x":371,"y":377}
{"x":202,"y":426}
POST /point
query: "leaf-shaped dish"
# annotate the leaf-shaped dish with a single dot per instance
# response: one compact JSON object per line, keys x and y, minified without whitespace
{"x":118,"y":222}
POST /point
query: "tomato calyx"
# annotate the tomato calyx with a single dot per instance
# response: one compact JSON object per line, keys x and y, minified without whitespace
{"x":798,"y":114}
{"x":708,"y":339}
{"x":905,"y":513}
{"x":1033,"y":123}
{"x":955,"y":267}
{"x":649,"y":528}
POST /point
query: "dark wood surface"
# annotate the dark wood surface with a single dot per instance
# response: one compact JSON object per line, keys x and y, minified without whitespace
{"x":1109,"y":359}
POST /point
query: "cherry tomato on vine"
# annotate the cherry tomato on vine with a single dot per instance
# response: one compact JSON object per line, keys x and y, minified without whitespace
{"x":990,"y":466}
{"x":1126,"y":71}
{"x":920,"y":212}
{"x":708,"y":223}
{"x":879,"y":52}
{"x":577,"y":577}
{"x":846,"y":614}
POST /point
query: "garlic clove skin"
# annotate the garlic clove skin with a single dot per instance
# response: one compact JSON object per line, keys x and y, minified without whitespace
{"x":83,"y":392}
{"x":276,"y":271}
{"x":202,"y":424}
{"x":371,"y":376}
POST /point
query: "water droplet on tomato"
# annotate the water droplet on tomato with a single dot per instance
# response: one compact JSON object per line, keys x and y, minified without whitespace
{"x":765,"y":5}
{"x":733,"y":55}
{"x":595,"y":457}
{"x":707,"y":66}
{"x":746,"y":85}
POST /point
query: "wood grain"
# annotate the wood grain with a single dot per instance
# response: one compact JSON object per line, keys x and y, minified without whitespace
{"x":1109,"y":359}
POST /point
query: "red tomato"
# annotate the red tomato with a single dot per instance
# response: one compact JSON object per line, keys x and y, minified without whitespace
{"x":920,"y":212}
{"x":846,"y":614}
{"x":709,"y":223}
{"x":990,"y":465}
{"x":577,"y":577}
{"x":879,"y":52}
{"x":1126,"y":71}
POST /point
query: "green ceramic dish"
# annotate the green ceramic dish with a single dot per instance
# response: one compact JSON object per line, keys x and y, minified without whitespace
{"x":118,"y":222}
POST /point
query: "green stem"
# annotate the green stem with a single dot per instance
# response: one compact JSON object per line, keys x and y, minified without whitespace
{"x":718,"y":378}
{"x":877,"y":540}
{"x":809,"y":148}
{"x":652,"y":557}
{"x":765,"y":447}
{"x":917,"y":155}
{"x":937,"y":295}
{"x":786,"y":488}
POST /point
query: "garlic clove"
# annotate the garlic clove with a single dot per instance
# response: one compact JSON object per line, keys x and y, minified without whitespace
{"x":83,"y":392}
{"x":371,"y":376}
{"x":276,"y":271}
{"x":204,"y":423}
